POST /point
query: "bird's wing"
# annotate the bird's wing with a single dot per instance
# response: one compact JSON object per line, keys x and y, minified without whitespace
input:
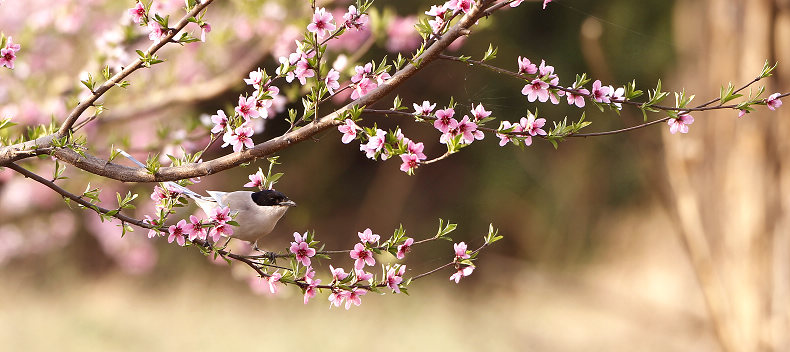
{"x":186,"y":191}
{"x":175,"y":186}
{"x":218,"y":197}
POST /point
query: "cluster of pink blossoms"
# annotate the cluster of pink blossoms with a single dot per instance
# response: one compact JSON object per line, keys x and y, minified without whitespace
{"x":375,"y":146}
{"x":466,"y":128}
{"x":215,"y":227}
{"x":252,"y":107}
{"x":540,"y":88}
{"x":8,"y":53}
{"x":364,"y":80}
{"x":461,"y":254}
{"x":156,"y":32}
{"x":531,"y":125}
{"x":296,"y":65}
{"x":345,"y":285}
{"x":443,"y":13}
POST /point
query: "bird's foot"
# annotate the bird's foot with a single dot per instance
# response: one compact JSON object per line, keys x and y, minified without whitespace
{"x":266,"y":254}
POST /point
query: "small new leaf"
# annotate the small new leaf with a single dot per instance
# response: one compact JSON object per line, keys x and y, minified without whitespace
{"x":490,"y":53}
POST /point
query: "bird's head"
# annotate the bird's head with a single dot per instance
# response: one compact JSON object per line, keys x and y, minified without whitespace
{"x":270,"y":197}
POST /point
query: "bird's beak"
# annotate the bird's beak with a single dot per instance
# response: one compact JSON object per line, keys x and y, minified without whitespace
{"x":288,"y":203}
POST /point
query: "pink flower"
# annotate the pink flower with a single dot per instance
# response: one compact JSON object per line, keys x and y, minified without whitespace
{"x":395,"y":277}
{"x":157,"y":32}
{"x":239,"y":138}
{"x":375,"y":144}
{"x":362,"y":275}
{"x":545,"y":2}
{"x":220,"y":121}
{"x":773,"y":101}
{"x":247,"y":108}
{"x":303,"y":71}
{"x":273,"y":280}
{"x":361,"y":72}
{"x":353,"y":19}
{"x":524,"y":65}
{"x":177,"y":233}
{"x":338,"y":274}
{"x":515,"y":3}
{"x":578,"y":99}
{"x":220,"y":214}
{"x":303,"y":252}
{"x":7,"y":57}
{"x":336,"y":298}
{"x":462,"y":272}
{"x":505,"y":138}
{"x":368,"y":236}
{"x":424,"y":109}
{"x":362,"y":88}
{"x":322,"y":22}
{"x":137,"y":13}
{"x":299,"y":237}
{"x":532,"y":125}
{"x":195,"y":229}
{"x":349,"y":131}
{"x":444,"y":121}
{"x":536,"y":89}
{"x":460,"y":5}
{"x":404,"y":248}
{"x":151,"y":221}
{"x":219,"y":230}
{"x":204,"y":29}
{"x":362,"y":256}
{"x":480,"y":112}
{"x":311,"y":290}
{"x":616,"y":96}
{"x":742,"y":112}
{"x":331,"y":81}
{"x":416,"y":149}
{"x":256,"y":179}
{"x":437,"y":11}
{"x":468,"y":130}
{"x":9,"y":44}
{"x":547,"y":71}
{"x":254,"y":80}
{"x":600,"y":94}
{"x":410,"y":162}
{"x":680,"y":124}
{"x":355,"y":296}
{"x":460,"y":250}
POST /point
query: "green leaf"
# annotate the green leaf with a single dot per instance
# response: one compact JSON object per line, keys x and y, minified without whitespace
{"x":767,"y":70}
{"x":490,"y":53}
{"x":445,"y":229}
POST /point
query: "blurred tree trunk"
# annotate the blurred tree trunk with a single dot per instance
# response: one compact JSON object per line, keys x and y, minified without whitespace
{"x":730,"y":178}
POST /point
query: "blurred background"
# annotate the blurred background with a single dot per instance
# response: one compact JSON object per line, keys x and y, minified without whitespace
{"x":645,"y":240}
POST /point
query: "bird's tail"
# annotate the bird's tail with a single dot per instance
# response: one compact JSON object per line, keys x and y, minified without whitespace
{"x":169,"y":184}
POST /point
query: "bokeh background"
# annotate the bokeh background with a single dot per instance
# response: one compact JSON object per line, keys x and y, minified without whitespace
{"x":641,"y":241}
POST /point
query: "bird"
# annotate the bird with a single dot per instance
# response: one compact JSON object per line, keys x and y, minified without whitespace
{"x":256,"y":212}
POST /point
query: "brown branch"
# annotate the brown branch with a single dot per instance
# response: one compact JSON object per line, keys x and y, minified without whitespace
{"x":190,"y":94}
{"x":27,"y":149}
{"x":104,"y":168}
{"x":701,"y":107}
{"x":251,"y":261}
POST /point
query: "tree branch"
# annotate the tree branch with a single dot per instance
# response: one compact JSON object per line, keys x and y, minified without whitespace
{"x":107,"y":169}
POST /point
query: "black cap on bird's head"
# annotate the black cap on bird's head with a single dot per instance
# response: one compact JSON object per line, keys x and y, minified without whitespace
{"x":270,"y":197}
